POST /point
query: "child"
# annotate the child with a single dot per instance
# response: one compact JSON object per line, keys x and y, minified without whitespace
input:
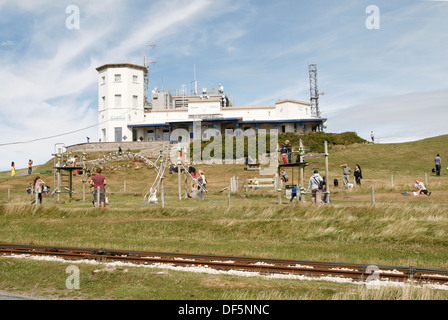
{"x":293,"y":193}
{"x":201,"y":184}
{"x":324,"y":191}
{"x":194,"y":191}
{"x":284,"y":153}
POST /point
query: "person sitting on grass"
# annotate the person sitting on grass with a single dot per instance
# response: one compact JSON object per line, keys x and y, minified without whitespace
{"x":419,"y":188}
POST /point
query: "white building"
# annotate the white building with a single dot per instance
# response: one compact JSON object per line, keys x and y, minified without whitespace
{"x":125,"y":113}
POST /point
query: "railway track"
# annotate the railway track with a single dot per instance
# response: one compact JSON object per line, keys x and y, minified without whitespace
{"x":357,"y":272}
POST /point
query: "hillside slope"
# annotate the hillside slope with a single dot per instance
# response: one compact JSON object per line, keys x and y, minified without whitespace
{"x":406,"y":161}
{"x":409,"y":158}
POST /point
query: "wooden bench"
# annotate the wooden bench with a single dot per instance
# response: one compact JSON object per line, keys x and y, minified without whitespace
{"x":252,"y":167}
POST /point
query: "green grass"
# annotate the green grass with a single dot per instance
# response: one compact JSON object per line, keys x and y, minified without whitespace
{"x":397,"y":230}
{"x":48,"y":280}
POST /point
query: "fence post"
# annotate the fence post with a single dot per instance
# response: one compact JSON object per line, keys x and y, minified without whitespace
{"x":83,"y":191}
{"x":179,"y":180}
{"x":162,"y":195}
{"x":392,"y":180}
{"x":327,"y":172}
{"x":373,"y":195}
{"x":98,"y":197}
{"x":228,"y":197}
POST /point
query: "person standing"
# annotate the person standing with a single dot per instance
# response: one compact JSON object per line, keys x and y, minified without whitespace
{"x":13,"y":169}
{"x":39,"y":185}
{"x":30,"y":166}
{"x":358,"y":174}
{"x":346,"y":174}
{"x":326,"y":199}
{"x":98,"y":181}
{"x":201,"y":184}
{"x":372,"y":136}
{"x":284,"y":152}
{"x":438,"y":162}
{"x":315,"y":185}
{"x":288,"y":151}
{"x":293,"y":193}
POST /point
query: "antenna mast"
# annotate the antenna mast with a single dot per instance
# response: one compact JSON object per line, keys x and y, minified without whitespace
{"x":314,"y":91}
{"x":195,"y":82}
{"x":146,"y":65}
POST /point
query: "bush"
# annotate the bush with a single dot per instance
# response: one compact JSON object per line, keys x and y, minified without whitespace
{"x":313,"y":140}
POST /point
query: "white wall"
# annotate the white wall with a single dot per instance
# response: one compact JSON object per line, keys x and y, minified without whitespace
{"x":119,"y":116}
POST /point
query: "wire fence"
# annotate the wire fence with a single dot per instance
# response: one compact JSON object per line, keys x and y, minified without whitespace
{"x":124,"y":195}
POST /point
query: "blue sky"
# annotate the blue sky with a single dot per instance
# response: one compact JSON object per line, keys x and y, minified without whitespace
{"x":392,"y":80}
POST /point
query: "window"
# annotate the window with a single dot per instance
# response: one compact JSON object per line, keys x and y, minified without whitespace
{"x":166,"y":135}
{"x":103,"y":99}
{"x":118,"y":134}
{"x":118,"y":78}
{"x":103,"y":80}
{"x":134,"y":101}
{"x":118,"y":101}
{"x":135,"y":79}
{"x":150,"y":135}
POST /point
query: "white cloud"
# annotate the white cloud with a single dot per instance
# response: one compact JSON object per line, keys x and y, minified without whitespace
{"x":395,"y":118}
{"x":7,"y":43}
{"x":42,"y":95}
{"x":391,"y":80}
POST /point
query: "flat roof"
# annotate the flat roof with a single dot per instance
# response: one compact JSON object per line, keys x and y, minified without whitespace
{"x":240,"y":120}
{"x":122,"y":65}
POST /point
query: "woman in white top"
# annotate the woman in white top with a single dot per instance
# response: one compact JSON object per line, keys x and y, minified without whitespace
{"x":420,"y":188}
{"x":39,"y":185}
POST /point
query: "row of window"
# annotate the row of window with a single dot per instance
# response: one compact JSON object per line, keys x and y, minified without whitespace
{"x":117,"y":78}
{"x":117,"y":102}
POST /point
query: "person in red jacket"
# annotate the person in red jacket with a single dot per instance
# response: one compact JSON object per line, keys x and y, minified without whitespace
{"x":99,"y":181}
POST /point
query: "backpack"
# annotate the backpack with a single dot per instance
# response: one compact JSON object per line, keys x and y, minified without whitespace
{"x":320,"y":183}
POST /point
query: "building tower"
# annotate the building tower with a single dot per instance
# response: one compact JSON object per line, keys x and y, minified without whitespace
{"x":121,"y":100}
{"x":314,"y":91}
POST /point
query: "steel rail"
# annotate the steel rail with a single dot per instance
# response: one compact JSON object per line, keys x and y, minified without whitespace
{"x":359,"y":272}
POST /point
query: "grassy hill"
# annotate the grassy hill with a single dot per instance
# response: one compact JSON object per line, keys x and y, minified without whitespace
{"x":410,"y":158}
{"x":405,"y":161}
{"x":396,"y":230}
